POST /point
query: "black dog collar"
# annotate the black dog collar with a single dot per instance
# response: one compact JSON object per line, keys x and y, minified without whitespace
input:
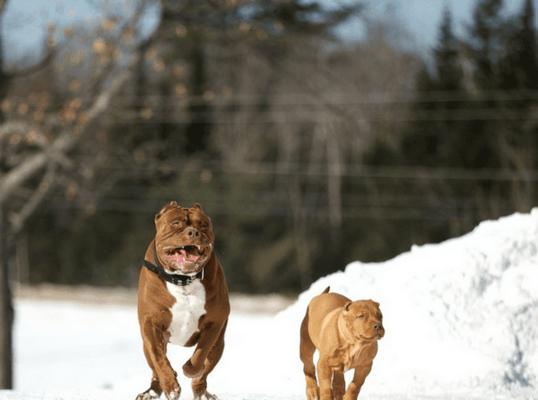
{"x":180,"y":280}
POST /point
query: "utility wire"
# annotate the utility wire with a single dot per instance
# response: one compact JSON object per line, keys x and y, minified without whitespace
{"x":306,"y":99}
{"x":324,"y":170}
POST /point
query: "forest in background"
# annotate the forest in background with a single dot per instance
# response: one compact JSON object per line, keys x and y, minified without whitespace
{"x":307,"y":149}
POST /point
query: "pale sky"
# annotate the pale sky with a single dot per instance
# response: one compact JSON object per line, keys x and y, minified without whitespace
{"x":25,"y":21}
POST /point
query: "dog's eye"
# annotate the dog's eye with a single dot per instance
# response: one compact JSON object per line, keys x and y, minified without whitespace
{"x":175,"y":224}
{"x":361,"y":316}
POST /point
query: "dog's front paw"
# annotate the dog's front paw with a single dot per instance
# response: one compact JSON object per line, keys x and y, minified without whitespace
{"x":205,"y":396}
{"x":192,"y":371}
{"x":312,"y":393}
{"x":171,"y":389}
{"x":173,"y":394}
{"x":149,"y":394}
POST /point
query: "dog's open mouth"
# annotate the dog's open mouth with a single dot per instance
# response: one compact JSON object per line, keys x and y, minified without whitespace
{"x":186,"y":257}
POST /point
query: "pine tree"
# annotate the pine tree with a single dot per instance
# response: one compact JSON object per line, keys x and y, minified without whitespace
{"x":432,"y":139}
{"x":527,"y":56}
{"x":486,"y":42}
{"x":519,"y":75}
{"x":449,"y":75}
{"x":519,"y":67}
{"x":455,"y":149}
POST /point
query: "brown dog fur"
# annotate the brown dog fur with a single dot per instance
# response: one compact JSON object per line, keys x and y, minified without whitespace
{"x":174,"y":227}
{"x":345,"y":333}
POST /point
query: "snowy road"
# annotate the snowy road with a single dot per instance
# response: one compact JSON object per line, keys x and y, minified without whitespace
{"x":73,"y":351}
{"x":94,"y":351}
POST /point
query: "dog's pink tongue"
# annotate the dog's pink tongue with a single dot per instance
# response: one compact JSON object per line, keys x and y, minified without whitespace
{"x":179,"y":257}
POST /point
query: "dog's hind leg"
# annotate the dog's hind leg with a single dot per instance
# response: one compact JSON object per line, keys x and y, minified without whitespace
{"x":307,"y":350}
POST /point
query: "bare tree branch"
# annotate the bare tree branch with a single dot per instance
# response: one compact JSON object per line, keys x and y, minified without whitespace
{"x":71,"y":136}
{"x":17,"y":220}
{"x":65,"y":141}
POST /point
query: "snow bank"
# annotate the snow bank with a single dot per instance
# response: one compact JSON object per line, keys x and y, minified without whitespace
{"x":459,"y":316}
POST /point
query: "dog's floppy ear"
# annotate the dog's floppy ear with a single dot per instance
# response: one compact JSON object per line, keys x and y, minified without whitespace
{"x":169,"y":205}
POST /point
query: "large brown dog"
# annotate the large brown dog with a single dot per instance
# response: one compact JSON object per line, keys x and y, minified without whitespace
{"x":182,"y":299}
{"x":345,"y":333}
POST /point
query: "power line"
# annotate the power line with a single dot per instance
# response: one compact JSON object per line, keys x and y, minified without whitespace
{"x":306,"y":99}
{"x":324,"y":170}
{"x":316,"y":119}
{"x":283,"y":211}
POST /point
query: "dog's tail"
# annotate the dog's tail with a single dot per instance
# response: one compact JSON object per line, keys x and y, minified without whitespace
{"x":326,"y":290}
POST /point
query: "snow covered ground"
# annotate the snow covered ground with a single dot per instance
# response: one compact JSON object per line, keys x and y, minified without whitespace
{"x":461,"y":321}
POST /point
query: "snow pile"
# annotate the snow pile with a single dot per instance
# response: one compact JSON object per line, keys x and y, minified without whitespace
{"x":459,"y":316}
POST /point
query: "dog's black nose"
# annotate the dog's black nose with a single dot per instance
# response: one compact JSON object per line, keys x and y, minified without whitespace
{"x":193,"y":232}
{"x":378,"y":327}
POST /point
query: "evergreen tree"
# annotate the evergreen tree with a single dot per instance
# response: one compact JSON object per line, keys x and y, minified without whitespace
{"x":456,"y":150}
{"x":519,"y":76}
{"x":486,"y":42}
{"x":527,"y":55}
{"x":432,"y":137}
{"x":449,"y":75}
{"x":519,"y":66}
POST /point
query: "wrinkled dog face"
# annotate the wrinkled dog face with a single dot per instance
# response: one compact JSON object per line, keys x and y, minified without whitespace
{"x":184,"y":238}
{"x":364,"y":319}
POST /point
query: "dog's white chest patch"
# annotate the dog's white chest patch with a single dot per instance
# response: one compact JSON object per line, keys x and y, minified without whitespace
{"x":187,"y":310}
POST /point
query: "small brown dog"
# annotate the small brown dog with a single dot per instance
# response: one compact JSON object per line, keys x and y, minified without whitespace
{"x":182,"y":299}
{"x":345,"y":333}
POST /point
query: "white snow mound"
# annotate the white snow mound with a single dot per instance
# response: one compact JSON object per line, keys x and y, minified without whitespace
{"x":459,"y":315}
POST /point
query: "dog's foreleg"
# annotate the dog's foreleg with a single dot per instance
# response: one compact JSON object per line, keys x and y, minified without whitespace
{"x":154,"y":391}
{"x":155,"y":347}
{"x":325,"y":375}
{"x":354,"y":387}
{"x":194,"y":368}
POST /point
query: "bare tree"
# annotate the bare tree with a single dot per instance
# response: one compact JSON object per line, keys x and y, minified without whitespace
{"x":34,"y":149}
